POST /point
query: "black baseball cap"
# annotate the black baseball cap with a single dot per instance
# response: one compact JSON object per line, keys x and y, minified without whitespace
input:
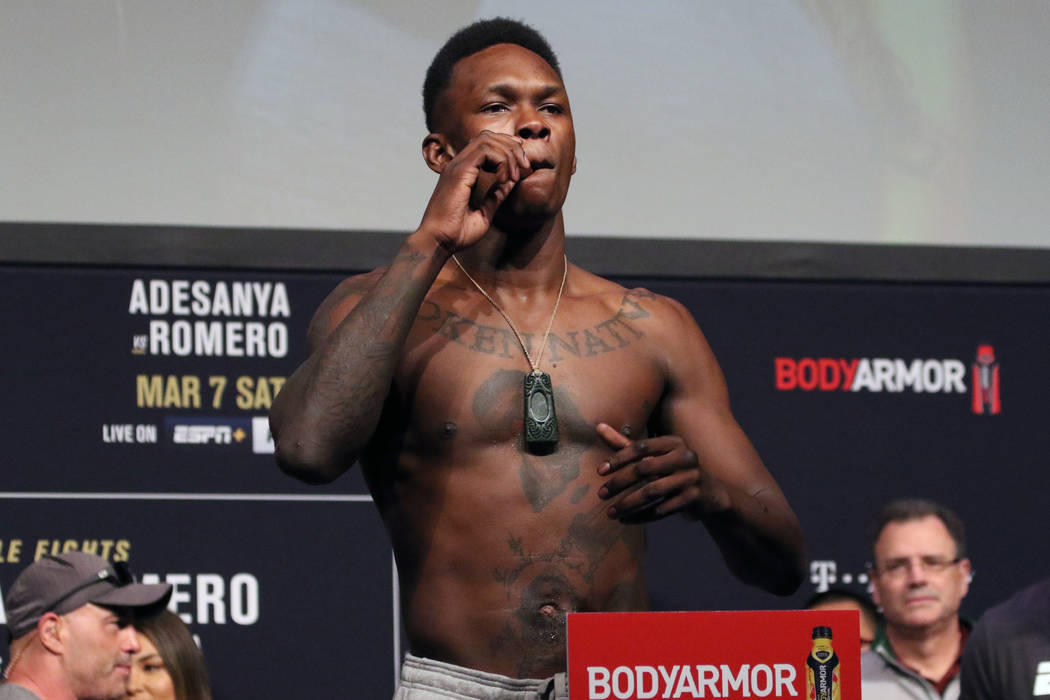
{"x":64,"y":582}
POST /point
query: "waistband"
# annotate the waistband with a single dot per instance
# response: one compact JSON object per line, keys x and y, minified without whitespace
{"x":445,"y":680}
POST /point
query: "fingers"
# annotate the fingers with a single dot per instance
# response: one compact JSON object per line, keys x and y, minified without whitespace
{"x":498,"y":162}
{"x":646,"y":468}
{"x":497,"y":153}
{"x":613,"y":437}
{"x":670,"y":504}
{"x":494,"y":197}
{"x":485,"y":186}
{"x":648,"y":479}
{"x":628,"y":451}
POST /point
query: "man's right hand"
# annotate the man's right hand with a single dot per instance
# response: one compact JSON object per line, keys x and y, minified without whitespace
{"x":472,"y":186}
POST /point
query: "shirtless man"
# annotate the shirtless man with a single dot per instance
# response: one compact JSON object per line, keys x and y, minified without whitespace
{"x":500,"y":529}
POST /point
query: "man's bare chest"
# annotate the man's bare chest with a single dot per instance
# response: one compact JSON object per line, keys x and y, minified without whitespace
{"x":465,"y":370}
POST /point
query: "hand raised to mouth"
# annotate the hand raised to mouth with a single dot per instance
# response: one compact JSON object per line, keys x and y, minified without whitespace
{"x":488,"y":179}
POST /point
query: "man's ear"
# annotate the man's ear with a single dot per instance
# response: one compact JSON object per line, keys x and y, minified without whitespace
{"x":49,"y":628}
{"x":437,"y":151}
{"x":573,"y":165}
{"x":967,"y":571}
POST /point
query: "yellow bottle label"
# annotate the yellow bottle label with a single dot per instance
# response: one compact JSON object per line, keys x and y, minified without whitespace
{"x":823,"y":680}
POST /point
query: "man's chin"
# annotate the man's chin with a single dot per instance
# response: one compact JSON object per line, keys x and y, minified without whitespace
{"x":115,"y":689}
{"x":523,"y":217}
{"x":920,"y":620}
{"x":530,"y":206}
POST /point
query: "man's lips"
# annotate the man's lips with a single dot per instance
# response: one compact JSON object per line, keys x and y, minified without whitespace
{"x":537,"y":166}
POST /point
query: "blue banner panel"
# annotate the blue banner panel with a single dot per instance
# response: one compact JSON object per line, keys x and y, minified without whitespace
{"x":287,"y":598}
{"x":166,"y":378}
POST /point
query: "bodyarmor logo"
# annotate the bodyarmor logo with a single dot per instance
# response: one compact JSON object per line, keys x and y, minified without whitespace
{"x":878,"y":374}
{"x":986,"y":382}
{"x":895,"y":375}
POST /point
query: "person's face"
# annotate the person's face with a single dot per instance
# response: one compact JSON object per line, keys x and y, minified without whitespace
{"x":916,"y":578}
{"x":867,"y":628}
{"x":97,"y":648}
{"x":510,"y":90}
{"x":149,"y":678}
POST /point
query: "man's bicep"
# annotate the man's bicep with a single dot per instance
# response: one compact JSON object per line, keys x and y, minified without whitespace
{"x":722,"y":447}
{"x":697,"y":409}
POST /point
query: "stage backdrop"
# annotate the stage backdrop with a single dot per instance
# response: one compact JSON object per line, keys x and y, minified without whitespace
{"x":135,"y":426}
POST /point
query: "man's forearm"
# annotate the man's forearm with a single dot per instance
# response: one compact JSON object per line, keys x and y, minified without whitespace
{"x":328,"y":409}
{"x":761,"y":541}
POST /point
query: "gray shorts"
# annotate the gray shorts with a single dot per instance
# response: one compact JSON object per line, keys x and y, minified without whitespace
{"x":424,"y":679}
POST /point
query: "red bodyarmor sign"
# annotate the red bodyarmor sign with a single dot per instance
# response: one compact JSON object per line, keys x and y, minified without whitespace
{"x":752,"y":654}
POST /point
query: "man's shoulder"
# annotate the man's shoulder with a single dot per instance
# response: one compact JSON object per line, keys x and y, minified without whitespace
{"x":13,"y":691}
{"x":339,"y":302}
{"x":1029,"y":607}
{"x":655,"y":305}
{"x":1009,"y":645}
{"x":883,"y":678}
{"x":360,"y":283}
{"x":351,"y":289}
{"x":873,"y":664}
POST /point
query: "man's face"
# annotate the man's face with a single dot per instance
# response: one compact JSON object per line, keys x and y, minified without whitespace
{"x":917,"y":581}
{"x":97,"y":654}
{"x":508,"y":89}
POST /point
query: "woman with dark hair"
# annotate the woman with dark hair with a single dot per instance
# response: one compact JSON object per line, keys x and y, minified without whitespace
{"x":169,"y":666}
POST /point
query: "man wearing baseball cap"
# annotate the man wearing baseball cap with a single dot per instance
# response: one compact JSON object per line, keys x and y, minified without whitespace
{"x":69,"y":619}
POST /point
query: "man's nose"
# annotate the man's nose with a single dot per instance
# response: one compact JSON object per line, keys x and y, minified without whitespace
{"x":916,"y":573}
{"x":533,"y":127}
{"x":129,"y":640}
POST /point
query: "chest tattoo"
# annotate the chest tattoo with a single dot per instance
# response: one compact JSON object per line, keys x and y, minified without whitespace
{"x":543,"y":477}
{"x":608,"y":335}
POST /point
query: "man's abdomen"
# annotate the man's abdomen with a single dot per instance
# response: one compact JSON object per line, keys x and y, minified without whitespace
{"x":487,"y":578}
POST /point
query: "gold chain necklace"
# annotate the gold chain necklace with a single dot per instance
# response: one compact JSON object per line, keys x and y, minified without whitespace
{"x":541,"y":422}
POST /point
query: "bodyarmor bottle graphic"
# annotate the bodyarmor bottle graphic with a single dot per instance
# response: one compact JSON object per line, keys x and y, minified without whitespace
{"x":986,"y":382}
{"x":822,"y":668}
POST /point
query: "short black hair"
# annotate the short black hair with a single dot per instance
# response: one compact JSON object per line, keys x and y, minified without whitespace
{"x":835,"y":595}
{"x":905,"y":509}
{"x":470,"y":40}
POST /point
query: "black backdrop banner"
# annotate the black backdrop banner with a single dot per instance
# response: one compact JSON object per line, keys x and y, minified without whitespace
{"x":135,"y":426}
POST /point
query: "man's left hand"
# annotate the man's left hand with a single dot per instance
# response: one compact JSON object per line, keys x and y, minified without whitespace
{"x":656,"y":477}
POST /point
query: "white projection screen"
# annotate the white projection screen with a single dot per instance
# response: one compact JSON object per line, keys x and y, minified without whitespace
{"x":835,"y":121}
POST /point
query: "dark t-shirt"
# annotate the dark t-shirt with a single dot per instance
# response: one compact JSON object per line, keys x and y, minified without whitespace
{"x":1008,"y":654}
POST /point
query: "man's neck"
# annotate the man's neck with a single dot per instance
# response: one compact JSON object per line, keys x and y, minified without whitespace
{"x":527,"y":258}
{"x":42,"y":679}
{"x":43,"y":692}
{"x":929,"y":650}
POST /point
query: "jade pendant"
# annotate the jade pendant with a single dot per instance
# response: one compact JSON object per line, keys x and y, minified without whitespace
{"x":541,"y":423}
